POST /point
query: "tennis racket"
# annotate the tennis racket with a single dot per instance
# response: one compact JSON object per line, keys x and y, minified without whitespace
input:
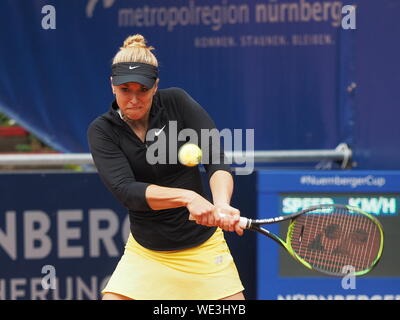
{"x":327,"y":238}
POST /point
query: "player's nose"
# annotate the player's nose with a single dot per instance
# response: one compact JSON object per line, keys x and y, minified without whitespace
{"x":133,"y":99}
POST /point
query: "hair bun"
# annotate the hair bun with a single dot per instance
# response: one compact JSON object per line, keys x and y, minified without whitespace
{"x":136,"y":41}
{"x":135,"y":49}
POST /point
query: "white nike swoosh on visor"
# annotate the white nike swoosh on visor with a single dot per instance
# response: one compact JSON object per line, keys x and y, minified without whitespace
{"x":130,"y":67}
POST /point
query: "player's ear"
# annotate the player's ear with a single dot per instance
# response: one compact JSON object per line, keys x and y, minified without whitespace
{"x":112,"y":86}
{"x":155,"y":87}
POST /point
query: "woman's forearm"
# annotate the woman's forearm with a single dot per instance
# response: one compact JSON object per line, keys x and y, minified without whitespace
{"x":221,"y":185}
{"x":159,"y":198}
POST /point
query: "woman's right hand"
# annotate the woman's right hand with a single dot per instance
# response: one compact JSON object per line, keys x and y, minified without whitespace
{"x":202,"y":211}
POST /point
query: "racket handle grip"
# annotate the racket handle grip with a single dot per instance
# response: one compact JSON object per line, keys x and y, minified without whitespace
{"x":243,"y":222}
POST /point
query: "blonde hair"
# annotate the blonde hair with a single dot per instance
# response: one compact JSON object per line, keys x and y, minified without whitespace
{"x":135,"y":49}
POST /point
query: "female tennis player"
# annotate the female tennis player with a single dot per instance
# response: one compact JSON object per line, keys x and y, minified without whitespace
{"x":167,"y":255}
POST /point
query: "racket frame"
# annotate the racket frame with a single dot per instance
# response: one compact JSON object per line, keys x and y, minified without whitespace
{"x":255,"y":225}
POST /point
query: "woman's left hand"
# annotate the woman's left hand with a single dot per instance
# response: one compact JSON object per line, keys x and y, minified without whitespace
{"x":230,"y":220}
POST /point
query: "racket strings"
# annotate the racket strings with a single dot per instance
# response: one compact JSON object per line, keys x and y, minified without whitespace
{"x":329,"y":240}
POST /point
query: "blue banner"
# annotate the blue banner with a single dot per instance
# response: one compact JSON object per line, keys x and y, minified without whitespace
{"x":280,"y":277}
{"x":265,"y":65}
{"x":302,"y":73}
{"x":69,"y":228}
{"x":62,"y":235}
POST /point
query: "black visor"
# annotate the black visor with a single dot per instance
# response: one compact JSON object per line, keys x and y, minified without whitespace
{"x":142,"y":73}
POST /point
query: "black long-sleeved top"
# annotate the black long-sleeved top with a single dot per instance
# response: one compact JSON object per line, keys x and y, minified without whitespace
{"x":120,"y":158}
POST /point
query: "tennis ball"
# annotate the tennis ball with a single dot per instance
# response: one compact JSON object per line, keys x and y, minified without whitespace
{"x":189,"y":155}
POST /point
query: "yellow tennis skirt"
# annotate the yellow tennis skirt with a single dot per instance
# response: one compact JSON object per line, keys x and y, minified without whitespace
{"x":204,"y":272}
